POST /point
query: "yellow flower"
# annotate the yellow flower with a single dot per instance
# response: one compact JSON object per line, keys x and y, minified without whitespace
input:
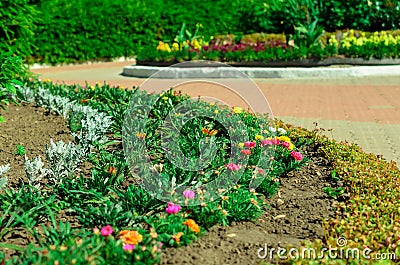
{"x":216,"y":111}
{"x":153,"y":233}
{"x":237,"y":110}
{"x":175,"y":46}
{"x":291,"y":146}
{"x":92,"y":87}
{"x":140,"y":135}
{"x":165,"y":98}
{"x":240,"y":144}
{"x":177,"y":237}
{"x":259,"y":137}
{"x":284,"y":139}
{"x":192,"y":225}
{"x":131,"y":237}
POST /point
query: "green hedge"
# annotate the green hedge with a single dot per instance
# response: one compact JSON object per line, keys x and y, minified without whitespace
{"x":80,"y":30}
{"x":17,"y":22}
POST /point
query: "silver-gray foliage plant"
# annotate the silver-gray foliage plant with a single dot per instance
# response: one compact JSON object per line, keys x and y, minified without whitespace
{"x":34,"y":171}
{"x":3,"y":170}
{"x":63,"y":160}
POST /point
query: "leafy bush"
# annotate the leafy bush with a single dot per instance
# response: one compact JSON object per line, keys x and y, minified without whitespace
{"x":11,"y":68}
{"x":17,"y":24}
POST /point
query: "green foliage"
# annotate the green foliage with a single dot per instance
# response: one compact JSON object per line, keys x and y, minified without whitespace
{"x":11,"y":68}
{"x":20,"y":150}
{"x":58,"y":31}
{"x":334,"y":193}
{"x":17,"y":24}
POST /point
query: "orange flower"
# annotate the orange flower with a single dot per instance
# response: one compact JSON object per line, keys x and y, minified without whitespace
{"x":131,"y":237}
{"x":192,"y":225}
{"x":208,"y":132}
{"x":83,"y":101}
{"x":112,"y":170}
{"x":177,"y":237}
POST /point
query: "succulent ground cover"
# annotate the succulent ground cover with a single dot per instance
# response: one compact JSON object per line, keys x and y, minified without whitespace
{"x":97,"y":213}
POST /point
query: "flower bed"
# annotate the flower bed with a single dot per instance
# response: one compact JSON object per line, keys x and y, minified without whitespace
{"x":350,"y":47}
{"x":112,"y":220}
{"x":131,"y":224}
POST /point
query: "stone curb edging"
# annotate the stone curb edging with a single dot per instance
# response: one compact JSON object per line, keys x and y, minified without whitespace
{"x":259,"y":72}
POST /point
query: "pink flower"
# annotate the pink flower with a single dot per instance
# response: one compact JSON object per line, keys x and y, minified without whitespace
{"x":296,"y":155}
{"x":245,"y":152}
{"x":266,"y":142}
{"x":232,"y":167}
{"x":285,"y":144}
{"x":260,"y":171}
{"x":250,"y":144}
{"x":129,"y":247}
{"x":84,"y":87}
{"x":188,"y":194}
{"x":173,"y":208}
{"x":275,"y":141}
{"x":106,"y":230}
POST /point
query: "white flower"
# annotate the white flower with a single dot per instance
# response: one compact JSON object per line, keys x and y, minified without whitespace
{"x":282,"y":131}
{"x":272,"y":129}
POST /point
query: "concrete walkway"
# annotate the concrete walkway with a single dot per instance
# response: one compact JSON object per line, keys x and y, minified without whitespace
{"x":362,"y":110}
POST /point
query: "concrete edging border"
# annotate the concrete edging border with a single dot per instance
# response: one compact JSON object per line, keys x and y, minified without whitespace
{"x":261,"y":72}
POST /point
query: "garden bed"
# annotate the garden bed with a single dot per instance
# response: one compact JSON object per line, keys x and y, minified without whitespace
{"x":294,"y":214}
{"x":322,"y":187}
{"x":296,"y":63}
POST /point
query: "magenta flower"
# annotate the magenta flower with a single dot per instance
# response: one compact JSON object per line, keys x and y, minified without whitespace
{"x":106,"y":230}
{"x":275,"y":141}
{"x":232,"y":167}
{"x":266,"y":142}
{"x":245,"y":152}
{"x":297,"y":155}
{"x":188,"y":194}
{"x":173,"y":208}
{"x":129,"y":247}
{"x":285,"y":144}
{"x":250,"y":144}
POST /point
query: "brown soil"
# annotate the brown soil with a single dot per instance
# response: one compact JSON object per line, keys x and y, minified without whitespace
{"x":292,"y":215}
{"x":31,"y":127}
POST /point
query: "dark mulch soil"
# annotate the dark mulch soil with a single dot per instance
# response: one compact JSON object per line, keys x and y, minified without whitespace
{"x":294,"y":214}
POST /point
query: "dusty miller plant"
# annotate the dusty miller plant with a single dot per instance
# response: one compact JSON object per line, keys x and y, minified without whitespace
{"x":94,"y":126}
{"x":63,"y":160}
{"x":34,"y":171}
{"x":3,"y":170}
{"x":57,"y":104}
